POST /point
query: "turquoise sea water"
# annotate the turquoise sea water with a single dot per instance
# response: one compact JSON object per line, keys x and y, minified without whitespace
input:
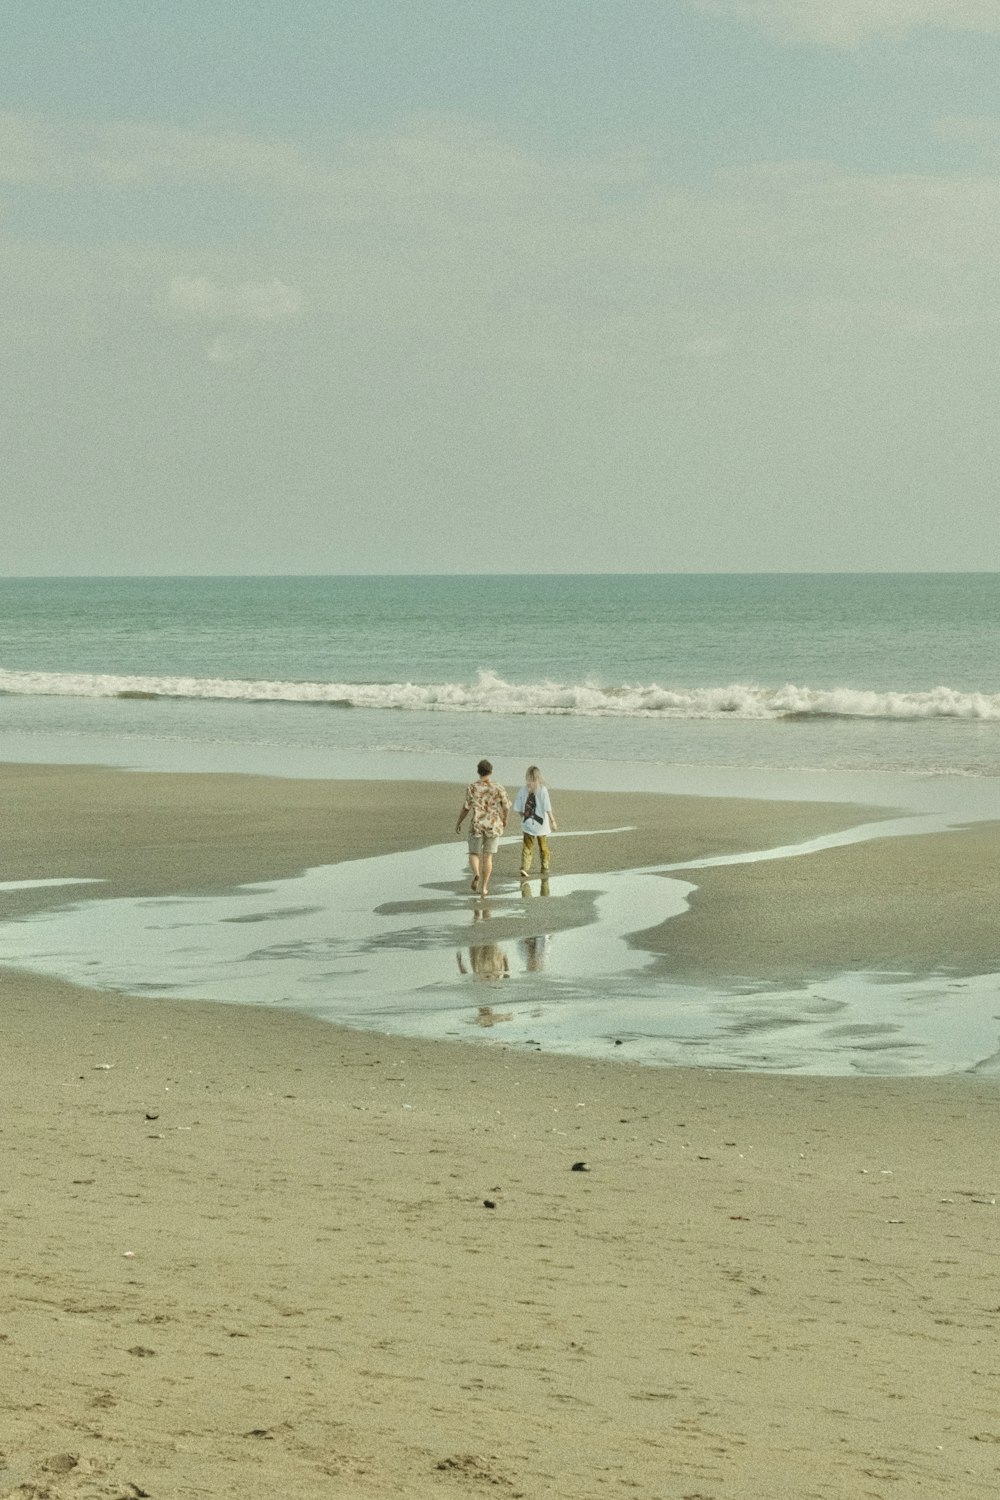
{"x":858,"y":672}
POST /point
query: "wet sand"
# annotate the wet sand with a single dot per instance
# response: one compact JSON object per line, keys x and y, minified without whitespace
{"x":152,"y":833}
{"x":915,"y":905}
{"x":923,"y":904}
{"x":247,"y":1254}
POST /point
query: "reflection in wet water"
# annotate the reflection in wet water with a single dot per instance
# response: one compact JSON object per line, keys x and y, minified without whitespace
{"x":486,"y":961}
{"x":396,"y":944}
{"x":487,"y":1016}
{"x":535,"y":951}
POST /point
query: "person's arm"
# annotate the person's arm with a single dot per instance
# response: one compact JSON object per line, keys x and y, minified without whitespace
{"x":506,"y":808}
{"x":461,"y":817}
{"x":552,"y":817}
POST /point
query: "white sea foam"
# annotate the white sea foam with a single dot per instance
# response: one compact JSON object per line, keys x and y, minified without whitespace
{"x":489,"y":693}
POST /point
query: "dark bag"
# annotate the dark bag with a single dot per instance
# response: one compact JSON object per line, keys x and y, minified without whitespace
{"x":530,"y":813}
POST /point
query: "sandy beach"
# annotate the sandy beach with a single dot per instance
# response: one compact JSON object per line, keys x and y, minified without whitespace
{"x":249,"y":1254}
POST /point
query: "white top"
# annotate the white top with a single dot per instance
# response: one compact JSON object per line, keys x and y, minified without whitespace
{"x":540,"y":823}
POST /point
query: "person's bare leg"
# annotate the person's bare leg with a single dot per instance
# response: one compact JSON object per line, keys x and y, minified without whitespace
{"x":474,"y":867}
{"x":484,"y":884}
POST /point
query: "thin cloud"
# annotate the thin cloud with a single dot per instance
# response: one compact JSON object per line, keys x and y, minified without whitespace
{"x":34,"y":149}
{"x":264,"y":302}
{"x":979,"y":131}
{"x":849,"y":23}
{"x":450,"y":237}
{"x":219,"y":352}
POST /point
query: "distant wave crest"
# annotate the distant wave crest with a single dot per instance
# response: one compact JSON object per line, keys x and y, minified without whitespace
{"x":489,"y":693}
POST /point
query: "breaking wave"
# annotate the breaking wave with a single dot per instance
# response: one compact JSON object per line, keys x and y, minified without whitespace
{"x":489,"y":693}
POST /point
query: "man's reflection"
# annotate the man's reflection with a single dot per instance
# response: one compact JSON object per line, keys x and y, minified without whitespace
{"x":487,"y":961}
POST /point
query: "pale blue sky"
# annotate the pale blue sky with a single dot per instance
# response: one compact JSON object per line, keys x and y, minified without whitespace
{"x":670,"y":285}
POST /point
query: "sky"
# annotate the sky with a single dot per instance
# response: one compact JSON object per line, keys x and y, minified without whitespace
{"x":462,"y":286}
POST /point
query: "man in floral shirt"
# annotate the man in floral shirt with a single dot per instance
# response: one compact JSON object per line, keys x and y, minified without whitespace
{"x":490,"y":808}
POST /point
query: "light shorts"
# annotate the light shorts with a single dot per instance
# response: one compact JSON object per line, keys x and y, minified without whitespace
{"x":484,"y":843}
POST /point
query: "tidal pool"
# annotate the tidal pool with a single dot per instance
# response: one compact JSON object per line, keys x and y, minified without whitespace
{"x":396,"y":943}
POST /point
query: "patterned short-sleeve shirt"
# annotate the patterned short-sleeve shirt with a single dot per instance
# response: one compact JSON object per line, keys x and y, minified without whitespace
{"x":489,"y":806}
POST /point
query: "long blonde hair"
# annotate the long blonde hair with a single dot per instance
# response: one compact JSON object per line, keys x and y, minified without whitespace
{"x":533,"y":778}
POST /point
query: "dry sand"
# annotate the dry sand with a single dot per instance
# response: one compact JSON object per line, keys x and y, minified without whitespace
{"x":249,"y":1255}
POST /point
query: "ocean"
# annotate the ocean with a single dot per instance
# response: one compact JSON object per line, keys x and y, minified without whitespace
{"x":863,"y":673}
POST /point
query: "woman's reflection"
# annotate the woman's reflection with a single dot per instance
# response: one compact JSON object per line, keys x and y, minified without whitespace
{"x":535,"y":950}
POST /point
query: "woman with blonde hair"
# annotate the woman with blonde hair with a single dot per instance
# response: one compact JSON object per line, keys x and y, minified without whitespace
{"x":534,"y":805}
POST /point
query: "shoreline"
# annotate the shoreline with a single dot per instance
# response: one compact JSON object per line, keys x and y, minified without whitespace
{"x":920,"y":788}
